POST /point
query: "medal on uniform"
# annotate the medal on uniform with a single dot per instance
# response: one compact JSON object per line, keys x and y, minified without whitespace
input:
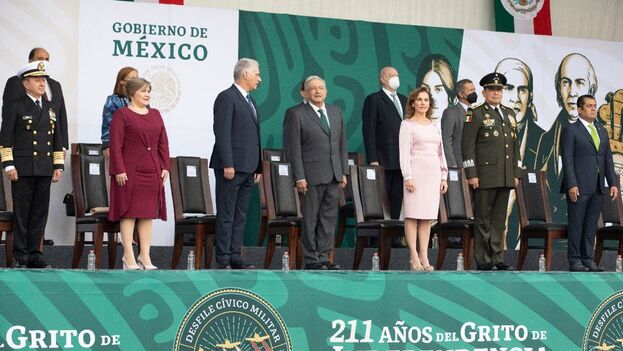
{"x":28,"y":127}
{"x":487,"y":115}
{"x":513,"y":121}
{"x":488,"y":122}
{"x":52,"y":115}
{"x":495,"y":133}
{"x":486,"y":134}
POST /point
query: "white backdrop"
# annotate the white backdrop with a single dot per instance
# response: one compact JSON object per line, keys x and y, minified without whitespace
{"x":182,"y":89}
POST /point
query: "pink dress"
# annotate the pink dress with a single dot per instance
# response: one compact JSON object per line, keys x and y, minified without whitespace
{"x":422,"y":160}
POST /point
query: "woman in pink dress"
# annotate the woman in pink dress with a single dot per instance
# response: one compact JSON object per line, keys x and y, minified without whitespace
{"x":424,"y":170}
{"x":139,"y":167}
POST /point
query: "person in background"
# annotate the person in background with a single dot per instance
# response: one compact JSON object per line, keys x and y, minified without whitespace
{"x":382,"y":115}
{"x":117,"y":100}
{"x":425,"y":172}
{"x":139,"y":167}
{"x":452,"y":122}
{"x":53,"y":93}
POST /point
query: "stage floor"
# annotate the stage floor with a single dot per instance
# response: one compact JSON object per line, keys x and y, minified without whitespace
{"x":61,"y":256}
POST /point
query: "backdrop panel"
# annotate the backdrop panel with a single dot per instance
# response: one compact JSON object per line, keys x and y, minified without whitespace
{"x":314,"y":311}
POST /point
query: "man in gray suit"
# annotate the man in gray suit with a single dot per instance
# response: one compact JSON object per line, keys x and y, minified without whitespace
{"x":315,"y":145}
{"x":452,"y":122}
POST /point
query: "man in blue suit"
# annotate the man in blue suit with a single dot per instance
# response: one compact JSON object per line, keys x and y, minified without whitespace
{"x":236,"y":161}
{"x":588,"y":170}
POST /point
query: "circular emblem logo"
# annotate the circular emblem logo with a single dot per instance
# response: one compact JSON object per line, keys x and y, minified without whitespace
{"x":232,"y":319}
{"x":605,"y":328}
{"x":523,"y":9}
{"x":165,"y":87}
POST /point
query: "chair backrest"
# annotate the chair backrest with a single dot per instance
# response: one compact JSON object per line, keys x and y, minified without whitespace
{"x":456,"y":203}
{"x":354,"y":159}
{"x":86,"y":148}
{"x":88,"y":182}
{"x":532,"y":197}
{"x":369,"y":196}
{"x":93,"y":176}
{"x":612,"y":211}
{"x":6,"y":202}
{"x":273,"y":155}
{"x":281,"y":195}
{"x":190,"y":186}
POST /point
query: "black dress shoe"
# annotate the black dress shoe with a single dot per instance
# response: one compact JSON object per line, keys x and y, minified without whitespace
{"x":48,"y":242}
{"x":39,"y":263}
{"x":20,"y":265}
{"x":242,"y":266}
{"x":504,"y":267}
{"x":223,"y":266}
{"x":486,"y":267}
{"x":314,"y":266}
{"x":577,"y":267}
{"x":593,"y":267}
{"x":330,"y":266}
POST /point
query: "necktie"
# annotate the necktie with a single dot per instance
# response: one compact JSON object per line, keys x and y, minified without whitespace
{"x":324,"y":121}
{"x":397,"y":104}
{"x":38,"y":104}
{"x":251,"y":107}
{"x":594,"y":135}
{"x":497,"y":109}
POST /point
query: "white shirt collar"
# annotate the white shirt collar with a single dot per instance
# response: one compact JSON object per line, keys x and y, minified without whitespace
{"x":242,"y":91}
{"x":389,"y":93}
{"x":586,"y":124}
{"x":465,"y":106}
{"x":35,"y":99}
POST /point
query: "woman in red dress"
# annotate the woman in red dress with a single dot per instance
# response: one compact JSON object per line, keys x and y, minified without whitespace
{"x":139,"y":164}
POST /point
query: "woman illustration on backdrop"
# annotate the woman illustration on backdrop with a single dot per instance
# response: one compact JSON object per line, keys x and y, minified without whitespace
{"x":117,"y":100}
{"x":437,"y":76}
{"x":139,"y":164}
{"x":423,"y":166}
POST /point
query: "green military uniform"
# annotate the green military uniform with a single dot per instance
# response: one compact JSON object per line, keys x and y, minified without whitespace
{"x":490,"y":147}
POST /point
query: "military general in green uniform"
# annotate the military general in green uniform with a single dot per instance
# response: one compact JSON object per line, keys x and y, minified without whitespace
{"x":490,"y":148}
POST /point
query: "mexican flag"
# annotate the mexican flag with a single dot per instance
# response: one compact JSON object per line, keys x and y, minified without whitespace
{"x":523,"y":16}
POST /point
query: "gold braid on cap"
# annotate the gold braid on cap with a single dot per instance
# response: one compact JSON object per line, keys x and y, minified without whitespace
{"x":58,"y":158}
{"x":6,"y":153}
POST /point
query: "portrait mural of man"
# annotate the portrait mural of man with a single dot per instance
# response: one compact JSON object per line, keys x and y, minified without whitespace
{"x":519,"y":96}
{"x":575,"y":77}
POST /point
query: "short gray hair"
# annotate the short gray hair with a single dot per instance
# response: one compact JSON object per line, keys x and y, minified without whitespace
{"x":243,"y":65}
{"x":135,"y":84}
{"x":310,"y":78}
{"x":460,"y":86}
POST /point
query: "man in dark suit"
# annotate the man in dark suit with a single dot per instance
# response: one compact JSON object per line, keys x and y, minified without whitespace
{"x":381,"y":116}
{"x":452,"y":122}
{"x":32,"y":157}
{"x":315,"y":145}
{"x":236,"y":161}
{"x":14,"y":90}
{"x":588,"y":171}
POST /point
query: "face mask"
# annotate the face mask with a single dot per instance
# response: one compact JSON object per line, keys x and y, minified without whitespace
{"x":394,"y":82}
{"x":471,"y":98}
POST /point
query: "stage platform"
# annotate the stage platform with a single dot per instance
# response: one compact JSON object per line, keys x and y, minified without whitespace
{"x":61,"y":256}
{"x":260,"y":310}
